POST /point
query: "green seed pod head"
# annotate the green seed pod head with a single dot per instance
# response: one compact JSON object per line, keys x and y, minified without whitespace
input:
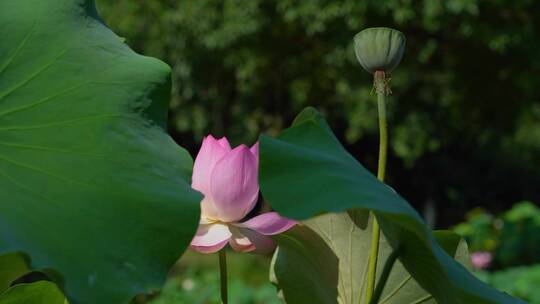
{"x":379,"y":48}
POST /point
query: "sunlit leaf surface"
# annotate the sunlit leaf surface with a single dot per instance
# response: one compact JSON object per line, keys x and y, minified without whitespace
{"x":90,"y":183}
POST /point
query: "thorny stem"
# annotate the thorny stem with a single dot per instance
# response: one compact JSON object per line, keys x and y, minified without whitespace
{"x":382,"y":90}
{"x":223,"y":275}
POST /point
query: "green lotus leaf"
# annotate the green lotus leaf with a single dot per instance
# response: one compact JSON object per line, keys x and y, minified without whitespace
{"x":306,"y":171}
{"x":90,"y":183}
{"x":325,"y":261}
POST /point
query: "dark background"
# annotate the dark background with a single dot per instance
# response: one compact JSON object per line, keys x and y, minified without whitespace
{"x":464,"y":116}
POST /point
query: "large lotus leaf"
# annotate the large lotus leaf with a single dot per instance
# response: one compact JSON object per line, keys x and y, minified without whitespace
{"x":325,"y":261}
{"x":90,"y":184}
{"x":12,"y":266}
{"x":305,"y":172}
{"x":42,"y":292}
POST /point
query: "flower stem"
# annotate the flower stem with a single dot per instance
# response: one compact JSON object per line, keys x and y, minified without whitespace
{"x":389,"y":264}
{"x":381,"y":90}
{"x":223,"y":275}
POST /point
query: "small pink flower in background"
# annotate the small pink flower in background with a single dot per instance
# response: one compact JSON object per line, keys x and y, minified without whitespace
{"x":228,"y":179}
{"x":481,"y":259}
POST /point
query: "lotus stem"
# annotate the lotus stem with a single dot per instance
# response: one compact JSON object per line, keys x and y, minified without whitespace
{"x":381,"y":89}
{"x":388,"y":265}
{"x":223,"y":275}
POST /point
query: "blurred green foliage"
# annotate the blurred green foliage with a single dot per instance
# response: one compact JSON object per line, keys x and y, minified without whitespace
{"x":195,"y":280}
{"x":521,"y":282}
{"x":464,"y":116}
{"x":513,"y":237}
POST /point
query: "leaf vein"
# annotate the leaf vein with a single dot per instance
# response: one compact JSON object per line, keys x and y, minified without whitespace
{"x":43,"y":148}
{"x":422,"y":300}
{"x":19,"y":164}
{"x":18,"y":48}
{"x":59,"y":123}
{"x":396,"y":290}
{"x":37,"y":73}
{"x":42,"y":101}
{"x":22,"y":186}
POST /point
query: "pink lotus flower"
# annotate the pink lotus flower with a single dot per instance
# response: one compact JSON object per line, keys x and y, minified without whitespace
{"x":228,"y":178}
{"x":481,"y":259}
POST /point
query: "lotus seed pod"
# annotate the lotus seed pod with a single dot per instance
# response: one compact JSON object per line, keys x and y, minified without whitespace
{"x":379,"y":48}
